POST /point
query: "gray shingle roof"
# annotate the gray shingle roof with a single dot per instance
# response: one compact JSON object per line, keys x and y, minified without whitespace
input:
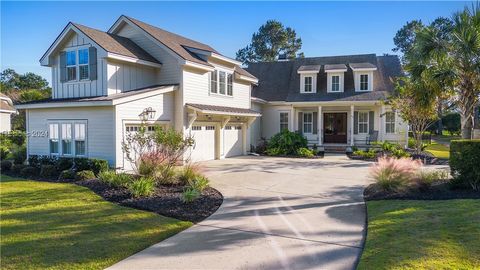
{"x":223,"y":109}
{"x":116,"y":44}
{"x":335,"y":67}
{"x":279,"y":81}
{"x":103,"y":98}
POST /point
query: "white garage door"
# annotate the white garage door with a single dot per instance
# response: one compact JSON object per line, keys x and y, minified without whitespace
{"x":232,"y":142}
{"x":204,"y":147}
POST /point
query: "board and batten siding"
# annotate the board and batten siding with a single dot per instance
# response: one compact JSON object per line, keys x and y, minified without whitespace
{"x":196,"y":89}
{"x":129,"y":112}
{"x":171,"y":70}
{"x":123,"y":76}
{"x":100,"y":129}
{"x":88,"y":88}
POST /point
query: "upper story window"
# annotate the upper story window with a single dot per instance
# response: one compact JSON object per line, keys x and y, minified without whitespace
{"x":221,"y":82}
{"x":283,"y":121}
{"x":364,"y":82}
{"x":71,"y":65}
{"x":390,"y":122}
{"x":335,"y":83}
{"x":307,"y":84}
{"x":83,"y":64}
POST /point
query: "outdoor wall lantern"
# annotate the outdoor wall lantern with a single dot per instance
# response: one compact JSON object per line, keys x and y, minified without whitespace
{"x":147,"y":113}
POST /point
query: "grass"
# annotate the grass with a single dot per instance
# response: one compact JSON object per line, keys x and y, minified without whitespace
{"x":65,"y":226}
{"x":422,"y":235}
{"x":439,"y":150}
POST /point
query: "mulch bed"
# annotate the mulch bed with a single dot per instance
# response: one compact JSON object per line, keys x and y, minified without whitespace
{"x":438,"y":191}
{"x":426,"y":158}
{"x":166,"y":201}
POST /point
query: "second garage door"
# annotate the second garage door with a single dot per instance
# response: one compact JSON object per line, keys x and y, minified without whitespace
{"x":204,"y":147}
{"x":232,"y":141}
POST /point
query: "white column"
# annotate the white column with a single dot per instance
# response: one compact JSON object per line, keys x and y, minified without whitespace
{"x":382,"y":123}
{"x":320,"y":125}
{"x":352,"y":122}
{"x":244,"y":138}
{"x":294,"y":118}
{"x":219,"y":142}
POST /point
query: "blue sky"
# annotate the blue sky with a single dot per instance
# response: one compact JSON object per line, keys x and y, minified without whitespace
{"x":326,"y":28}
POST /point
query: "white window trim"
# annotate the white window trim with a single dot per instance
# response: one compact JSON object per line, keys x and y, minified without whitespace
{"x":77,"y":63}
{"x":80,"y":65}
{"x":368,"y":122}
{"x":227,"y":72}
{"x":394,"y":122}
{"x":302,"y":82}
{"x":280,"y":119}
{"x":303,"y":123}
{"x":370,"y":81}
{"x":60,"y":146}
{"x":330,"y":85}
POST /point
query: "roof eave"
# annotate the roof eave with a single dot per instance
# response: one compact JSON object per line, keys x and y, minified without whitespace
{"x":124,"y":58}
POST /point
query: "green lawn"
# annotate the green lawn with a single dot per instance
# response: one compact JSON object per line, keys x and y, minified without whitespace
{"x":422,"y":235}
{"x":65,"y":226}
{"x":438,"y":150}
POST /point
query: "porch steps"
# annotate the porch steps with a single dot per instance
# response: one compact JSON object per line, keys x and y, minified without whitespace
{"x":335,"y":148}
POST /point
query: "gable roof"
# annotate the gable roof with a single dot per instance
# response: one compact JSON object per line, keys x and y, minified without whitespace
{"x":279,"y":81}
{"x":115,"y":44}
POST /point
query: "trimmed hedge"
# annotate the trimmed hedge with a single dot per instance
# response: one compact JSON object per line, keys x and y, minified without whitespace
{"x":29,"y":171}
{"x":64,"y":163}
{"x":48,"y":171}
{"x":6,"y":165}
{"x":84,"y":175}
{"x":465,"y":163}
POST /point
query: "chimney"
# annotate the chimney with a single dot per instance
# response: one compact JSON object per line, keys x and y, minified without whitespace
{"x":282,"y":57}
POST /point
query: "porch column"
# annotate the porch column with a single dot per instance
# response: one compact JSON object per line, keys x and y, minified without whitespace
{"x":293,"y":117}
{"x":320,"y":125}
{"x":352,"y":122}
{"x":382,"y":123}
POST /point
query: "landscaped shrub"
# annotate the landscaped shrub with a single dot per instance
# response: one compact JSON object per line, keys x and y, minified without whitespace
{"x":6,"y":165}
{"x":165,"y":175}
{"x":147,"y":168}
{"x":97,"y":165}
{"x":64,"y":163}
{"x":188,"y":173}
{"x":425,"y":178}
{"x":190,"y":194}
{"x":261,"y":147}
{"x":393,"y":174}
{"x":38,"y":161}
{"x":107,"y":176}
{"x":67,"y":175}
{"x":451,"y":123}
{"x":4,"y":152}
{"x":114,"y":179}
{"x":394,"y":149}
{"x":305,"y":152}
{"x":84,"y":175}
{"x":465,"y":163}
{"x":17,"y":168}
{"x":48,"y":171}
{"x":370,"y":154}
{"x":29,"y":171}
{"x":286,"y":143}
{"x":20,"y":155}
{"x":142,"y":187}
{"x":199,"y":183}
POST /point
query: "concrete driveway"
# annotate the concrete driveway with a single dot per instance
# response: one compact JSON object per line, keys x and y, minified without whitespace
{"x":278,"y":213}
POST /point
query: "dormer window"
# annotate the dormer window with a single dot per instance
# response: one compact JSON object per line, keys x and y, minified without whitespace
{"x":308,"y":81}
{"x":363,"y":82}
{"x":335,"y":83}
{"x":335,"y":75}
{"x":221,"y":83}
{"x":78,"y":64}
{"x":71,"y":65}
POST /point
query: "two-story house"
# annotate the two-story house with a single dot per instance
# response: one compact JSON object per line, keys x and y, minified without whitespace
{"x":105,"y":84}
{"x":333,"y":101}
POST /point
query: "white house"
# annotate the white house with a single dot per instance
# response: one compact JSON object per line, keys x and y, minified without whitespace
{"x":105,"y":83}
{"x":6,"y":110}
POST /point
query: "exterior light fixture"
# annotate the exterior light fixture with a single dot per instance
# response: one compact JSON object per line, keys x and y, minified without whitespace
{"x":147,"y":113}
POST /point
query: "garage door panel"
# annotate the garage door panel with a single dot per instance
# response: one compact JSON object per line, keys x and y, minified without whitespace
{"x":204,"y":146}
{"x":232,"y":141}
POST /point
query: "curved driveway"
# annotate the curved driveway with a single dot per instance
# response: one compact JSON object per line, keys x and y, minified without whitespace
{"x":278,"y":213}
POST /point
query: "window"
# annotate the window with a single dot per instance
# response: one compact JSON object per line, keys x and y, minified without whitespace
{"x":230,"y":84}
{"x":364,"y":82}
{"x":71,"y":65}
{"x":83,"y":64}
{"x":53,"y":138}
{"x":308,"y":81}
{"x":80,"y":139}
{"x":363,"y":122}
{"x":307,"y":122}
{"x":221,"y":75}
{"x":213,"y":81}
{"x":196,"y":127}
{"x":283,"y":121}
{"x":210,"y":128}
{"x":390,"y":122}
{"x":335,"y":83}
{"x":66,"y":139}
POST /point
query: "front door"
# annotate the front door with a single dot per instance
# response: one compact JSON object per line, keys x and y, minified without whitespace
{"x":335,"y":128}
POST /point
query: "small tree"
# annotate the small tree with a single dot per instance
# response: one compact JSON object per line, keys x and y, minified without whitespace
{"x":412,"y":106}
{"x":164,"y":147}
